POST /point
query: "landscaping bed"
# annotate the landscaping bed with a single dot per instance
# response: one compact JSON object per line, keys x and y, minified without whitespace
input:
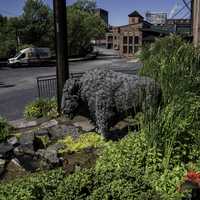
{"x":157,"y":161}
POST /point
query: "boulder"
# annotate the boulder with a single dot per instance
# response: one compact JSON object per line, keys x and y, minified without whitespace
{"x":83,"y":123}
{"x":13,"y":141}
{"x":14,"y":170}
{"x":60,"y":131}
{"x":26,"y":146}
{"x":42,"y":132}
{"x":6,"y":150}
{"x":22,"y":124}
{"x":49,"y":155}
{"x":49,"y":124}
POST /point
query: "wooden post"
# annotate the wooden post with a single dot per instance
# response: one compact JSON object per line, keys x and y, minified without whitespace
{"x":62,"y":69}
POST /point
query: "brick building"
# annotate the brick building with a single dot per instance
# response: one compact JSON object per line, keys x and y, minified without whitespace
{"x":129,"y":38}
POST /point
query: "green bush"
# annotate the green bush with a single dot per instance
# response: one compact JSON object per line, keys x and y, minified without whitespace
{"x":4,"y":129}
{"x":84,"y":141}
{"x":41,"y":108}
{"x":174,"y":64}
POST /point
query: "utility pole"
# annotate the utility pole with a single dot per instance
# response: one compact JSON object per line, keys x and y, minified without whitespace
{"x":62,"y":69}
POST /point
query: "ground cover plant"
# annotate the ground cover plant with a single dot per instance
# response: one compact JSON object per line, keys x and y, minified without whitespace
{"x":41,"y":108}
{"x":153,"y":163}
{"x":4,"y":129}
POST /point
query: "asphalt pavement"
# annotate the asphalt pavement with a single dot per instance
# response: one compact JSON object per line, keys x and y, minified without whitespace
{"x":18,"y":86}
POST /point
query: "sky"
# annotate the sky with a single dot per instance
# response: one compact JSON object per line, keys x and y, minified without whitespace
{"x":118,"y":9}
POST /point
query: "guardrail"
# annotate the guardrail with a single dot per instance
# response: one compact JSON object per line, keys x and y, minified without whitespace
{"x":47,"y":85}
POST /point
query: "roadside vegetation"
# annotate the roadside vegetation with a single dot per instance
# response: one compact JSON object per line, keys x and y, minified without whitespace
{"x":4,"y":129}
{"x":41,"y":108}
{"x":30,"y":29}
{"x":159,"y":162}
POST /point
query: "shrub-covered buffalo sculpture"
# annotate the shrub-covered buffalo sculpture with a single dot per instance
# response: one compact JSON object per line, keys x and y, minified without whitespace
{"x":108,"y":95}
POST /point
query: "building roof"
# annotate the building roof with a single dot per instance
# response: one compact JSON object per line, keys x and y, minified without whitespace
{"x":135,"y":14}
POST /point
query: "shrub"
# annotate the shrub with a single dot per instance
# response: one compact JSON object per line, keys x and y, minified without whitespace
{"x":174,"y":64}
{"x":84,"y":141}
{"x":4,"y":129}
{"x":41,"y":108}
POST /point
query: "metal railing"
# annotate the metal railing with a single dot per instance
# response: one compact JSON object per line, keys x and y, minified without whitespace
{"x":47,"y":85}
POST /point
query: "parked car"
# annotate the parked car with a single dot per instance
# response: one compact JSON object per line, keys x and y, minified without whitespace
{"x":31,"y":57}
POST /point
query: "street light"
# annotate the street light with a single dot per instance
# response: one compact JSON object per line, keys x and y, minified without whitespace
{"x":62,"y":69}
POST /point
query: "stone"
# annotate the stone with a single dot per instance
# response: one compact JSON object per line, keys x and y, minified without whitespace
{"x":56,"y":147}
{"x":14,"y":170}
{"x":26,"y":139}
{"x":2,"y":166}
{"x":22,"y":124}
{"x":121,"y":125}
{"x":24,"y":149}
{"x":49,"y":124}
{"x":42,"y":132}
{"x":6,"y":150}
{"x":85,"y":126}
{"x":13,"y":141}
{"x":60,"y":131}
{"x":49,"y":155}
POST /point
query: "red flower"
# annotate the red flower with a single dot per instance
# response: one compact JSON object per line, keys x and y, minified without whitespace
{"x":193,"y":177}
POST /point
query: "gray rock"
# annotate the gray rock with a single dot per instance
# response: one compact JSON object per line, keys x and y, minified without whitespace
{"x":2,"y":166}
{"x":13,"y":141}
{"x":24,"y":149}
{"x":56,"y":147}
{"x":26,"y":139}
{"x":83,"y":123}
{"x":22,"y":123}
{"x":6,"y":150}
{"x":49,"y":155}
{"x":42,"y":132}
{"x":109,"y":95}
{"x":61,"y":131}
{"x":26,"y":146}
{"x":14,"y":170}
{"x":49,"y":124}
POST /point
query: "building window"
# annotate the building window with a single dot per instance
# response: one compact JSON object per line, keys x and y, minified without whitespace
{"x":133,"y":20}
{"x":115,"y":37}
{"x":125,"y":39}
{"x":130,"y":40}
{"x":136,"y":40}
{"x":130,"y":49}
{"x":124,"y":49}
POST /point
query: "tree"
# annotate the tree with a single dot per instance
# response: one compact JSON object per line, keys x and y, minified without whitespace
{"x":85,"y":5}
{"x":37,"y":24}
{"x":7,"y":37}
{"x":83,"y":26}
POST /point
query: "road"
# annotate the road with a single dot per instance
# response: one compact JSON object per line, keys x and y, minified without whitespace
{"x":18,"y":85}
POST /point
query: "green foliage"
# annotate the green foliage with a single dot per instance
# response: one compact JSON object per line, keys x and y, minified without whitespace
{"x":84,"y":141}
{"x":41,"y":108}
{"x":174,"y":64}
{"x":36,"y":19}
{"x":4,"y":129}
{"x":83,"y":27}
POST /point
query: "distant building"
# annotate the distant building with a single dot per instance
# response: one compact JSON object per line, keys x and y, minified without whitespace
{"x":180,"y":26}
{"x":128,"y":39}
{"x":103,"y":14}
{"x":196,"y":22}
{"x":156,"y":18}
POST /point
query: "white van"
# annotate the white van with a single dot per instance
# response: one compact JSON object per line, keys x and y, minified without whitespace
{"x":31,"y":56}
